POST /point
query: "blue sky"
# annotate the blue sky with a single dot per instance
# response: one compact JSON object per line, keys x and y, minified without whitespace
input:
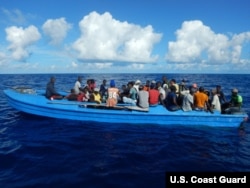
{"x":125,"y":36}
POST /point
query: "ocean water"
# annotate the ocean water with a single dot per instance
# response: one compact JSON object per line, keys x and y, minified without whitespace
{"x":45,"y":152}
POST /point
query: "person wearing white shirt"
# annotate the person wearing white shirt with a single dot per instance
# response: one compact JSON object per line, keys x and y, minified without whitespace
{"x":78,"y":85}
{"x":215,"y":101}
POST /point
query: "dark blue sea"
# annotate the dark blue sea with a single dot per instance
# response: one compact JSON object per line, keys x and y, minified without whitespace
{"x":45,"y":152}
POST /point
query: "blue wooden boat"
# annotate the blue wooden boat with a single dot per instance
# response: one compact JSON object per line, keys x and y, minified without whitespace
{"x":34,"y":102}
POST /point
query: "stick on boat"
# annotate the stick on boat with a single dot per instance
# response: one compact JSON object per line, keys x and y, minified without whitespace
{"x":101,"y":106}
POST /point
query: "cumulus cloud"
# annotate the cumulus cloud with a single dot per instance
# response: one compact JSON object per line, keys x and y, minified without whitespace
{"x":104,"y":38}
{"x":196,"y":42}
{"x":20,"y":40}
{"x":56,"y":30}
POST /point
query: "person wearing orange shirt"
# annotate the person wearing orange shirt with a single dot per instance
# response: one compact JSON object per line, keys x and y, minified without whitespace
{"x":201,"y":100}
{"x":113,"y":94}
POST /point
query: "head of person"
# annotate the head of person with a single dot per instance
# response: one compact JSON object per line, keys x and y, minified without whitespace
{"x":79,"y":78}
{"x":130,"y":84}
{"x":147,"y":82}
{"x":52,"y":79}
{"x":192,"y":90}
{"x":152,"y":85}
{"x":112,"y":83}
{"x":141,"y":87}
{"x":137,"y":82}
{"x":214,"y":91}
{"x":158,"y":84}
{"x":164,"y":78}
{"x":235,"y":91}
{"x":194,"y":85}
{"x":201,"y":89}
{"x":124,"y":87}
{"x":172,"y":81}
{"x":218,"y":88}
{"x":96,"y":90}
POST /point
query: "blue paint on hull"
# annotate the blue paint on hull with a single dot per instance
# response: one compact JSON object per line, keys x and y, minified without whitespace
{"x":37,"y":104}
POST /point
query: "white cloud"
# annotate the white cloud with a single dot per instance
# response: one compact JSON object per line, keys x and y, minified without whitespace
{"x":56,"y":30}
{"x":104,"y":38}
{"x":15,"y":16}
{"x":20,"y":40}
{"x":198,"y":43}
{"x":3,"y":59}
{"x":74,"y":64}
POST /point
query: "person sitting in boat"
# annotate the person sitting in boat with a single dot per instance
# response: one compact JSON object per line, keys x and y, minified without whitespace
{"x":235,"y":103}
{"x":173,"y":83}
{"x":91,"y":85}
{"x":236,"y":99}
{"x":165,"y":83}
{"x":201,"y":101}
{"x":113,"y":94}
{"x":72,"y":96}
{"x":136,"y":85}
{"x":78,"y":85}
{"x":143,"y":97}
{"x":132,"y":96}
{"x":162,"y":92}
{"x":51,"y":93}
{"x":182,"y":85}
{"x":103,"y":90}
{"x":171,"y":100}
{"x":146,"y":87}
{"x":123,"y":93}
{"x":215,"y":102}
{"x":188,"y":99}
{"x":153,"y":94}
{"x":95,"y":96}
{"x":84,"y":95}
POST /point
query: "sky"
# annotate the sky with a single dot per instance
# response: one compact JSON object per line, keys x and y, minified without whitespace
{"x":125,"y":36}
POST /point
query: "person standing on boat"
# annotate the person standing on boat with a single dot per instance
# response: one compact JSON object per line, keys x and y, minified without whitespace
{"x":103,"y":90}
{"x":51,"y":93}
{"x":113,"y":94}
{"x":78,"y":85}
{"x":221,"y":95}
{"x":216,"y":105}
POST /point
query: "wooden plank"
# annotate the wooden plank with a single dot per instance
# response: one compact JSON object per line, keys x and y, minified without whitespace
{"x":100,"y":106}
{"x":103,"y":106}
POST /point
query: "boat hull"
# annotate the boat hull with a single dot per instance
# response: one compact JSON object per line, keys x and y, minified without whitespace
{"x":36,"y":103}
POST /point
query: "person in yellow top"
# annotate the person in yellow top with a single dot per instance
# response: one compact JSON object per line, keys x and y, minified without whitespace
{"x":113,"y":94}
{"x":201,"y":100}
{"x":96,"y":96}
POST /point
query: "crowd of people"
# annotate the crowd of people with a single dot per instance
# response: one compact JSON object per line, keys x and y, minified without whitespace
{"x":166,"y":92}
